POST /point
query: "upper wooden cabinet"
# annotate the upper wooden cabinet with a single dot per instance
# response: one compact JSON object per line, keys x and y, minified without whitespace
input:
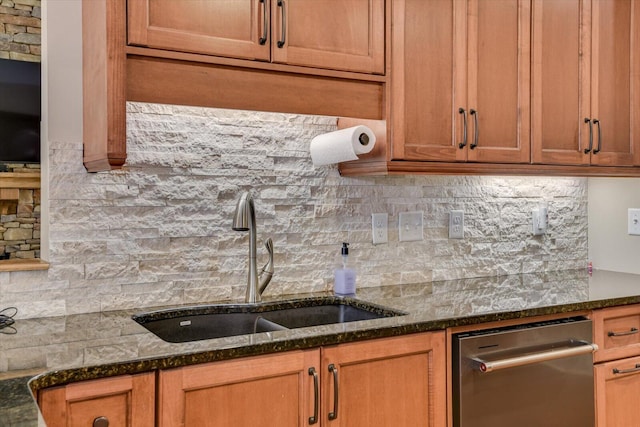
{"x":343,"y":35}
{"x":512,"y":87}
{"x":460,"y":80}
{"x":243,"y":54}
{"x":223,"y":28}
{"x":586,"y":82}
{"x":615,"y":85}
{"x":541,"y":87}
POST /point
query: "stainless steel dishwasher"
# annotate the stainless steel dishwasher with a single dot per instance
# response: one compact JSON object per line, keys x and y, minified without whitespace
{"x":533,"y":375}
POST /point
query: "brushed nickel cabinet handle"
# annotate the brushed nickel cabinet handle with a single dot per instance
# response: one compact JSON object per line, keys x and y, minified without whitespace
{"x":464,"y":128}
{"x":476,"y":130}
{"x":622,"y":334}
{"x":316,"y":392}
{"x":597,"y":150}
{"x":334,"y":414}
{"x":265,"y":22}
{"x":588,"y":150}
{"x":627,"y":371}
{"x":284,"y":24}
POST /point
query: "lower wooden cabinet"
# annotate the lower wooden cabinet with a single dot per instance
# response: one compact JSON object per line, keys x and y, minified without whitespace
{"x":617,"y":391}
{"x":123,"y":401}
{"x":271,"y":390}
{"x":396,"y":382}
{"x":399,"y":381}
{"x":616,"y":331}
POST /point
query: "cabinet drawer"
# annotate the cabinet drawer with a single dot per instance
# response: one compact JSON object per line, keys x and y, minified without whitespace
{"x":617,"y":332}
{"x":617,"y":387}
{"x":124,"y":401}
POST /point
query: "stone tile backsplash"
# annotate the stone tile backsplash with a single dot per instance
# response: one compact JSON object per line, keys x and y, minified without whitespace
{"x":159,"y":232}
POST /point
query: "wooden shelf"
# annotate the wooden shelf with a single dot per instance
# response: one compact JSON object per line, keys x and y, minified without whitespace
{"x":19,"y":180}
{"x":23,"y":265}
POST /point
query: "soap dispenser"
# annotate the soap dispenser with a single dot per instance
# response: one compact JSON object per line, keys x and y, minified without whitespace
{"x":345,"y":276}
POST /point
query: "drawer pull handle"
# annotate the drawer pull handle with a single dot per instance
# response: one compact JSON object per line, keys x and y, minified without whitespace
{"x":622,"y":334}
{"x":627,"y":371}
{"x":476,"y":130}
{"x":597,"y":150}
{"x":334,"y":415}
{"x":316,"y":391}
{"x":464,"y":128}
{"x":101,"y":422}
{"x":282,"y":41}
{"x":265,"y":23}
{"x":588,"y":150}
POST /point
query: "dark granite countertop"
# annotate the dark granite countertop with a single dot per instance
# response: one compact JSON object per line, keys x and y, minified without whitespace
{"x":87,"y":346}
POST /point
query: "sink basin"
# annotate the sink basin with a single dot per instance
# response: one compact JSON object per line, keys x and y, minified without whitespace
{"x":224,"y":320}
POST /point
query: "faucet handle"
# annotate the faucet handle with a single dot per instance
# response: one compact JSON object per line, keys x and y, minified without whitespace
{"x":267,"y":271}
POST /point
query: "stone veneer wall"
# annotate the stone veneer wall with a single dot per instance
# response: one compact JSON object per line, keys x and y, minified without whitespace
{"x":159,"y":231}
{"x":20,"y":25}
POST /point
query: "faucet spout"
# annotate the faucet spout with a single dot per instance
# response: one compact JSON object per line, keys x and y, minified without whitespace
{"x":245,"y":220}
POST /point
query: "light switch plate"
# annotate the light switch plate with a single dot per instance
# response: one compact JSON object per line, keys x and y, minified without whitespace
{"x":410,"y":226}
{"x":380,"y":228}
{"x":634,"y":222}
{"x":539,"y":221}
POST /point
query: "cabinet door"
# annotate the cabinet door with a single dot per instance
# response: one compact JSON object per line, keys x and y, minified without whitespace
{"x":617,"y":391}
{"x":265,"y":391}
{"x":341,"y":35}
{"x":428,"y":58}
{"x":615,"y":82}
{"x":396,"y":382}
{"x":616,"y":331}
{"x":499,"y":40}
{"x":127,"y":401}
{"x":231,"y":28}
{"x":460,"y":86}
{"x":561,"y":81}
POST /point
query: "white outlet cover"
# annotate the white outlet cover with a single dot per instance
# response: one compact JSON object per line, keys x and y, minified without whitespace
{"x":410,"y":226}
{"x":380,"y":228}
{"x":634,"y":222}
{"x":539,"y":221}
{"x":456,"y":224}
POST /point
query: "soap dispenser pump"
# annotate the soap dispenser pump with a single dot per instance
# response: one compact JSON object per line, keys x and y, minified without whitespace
{"x":345,"y":276}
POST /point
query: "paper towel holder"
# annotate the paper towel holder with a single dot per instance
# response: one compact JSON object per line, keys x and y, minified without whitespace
{"x":341,"y":145}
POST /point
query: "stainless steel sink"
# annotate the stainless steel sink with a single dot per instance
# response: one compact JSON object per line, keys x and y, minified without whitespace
{"x":223,"y":320}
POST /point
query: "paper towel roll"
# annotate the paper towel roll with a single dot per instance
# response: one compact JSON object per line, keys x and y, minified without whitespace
{"x":342,"y":145}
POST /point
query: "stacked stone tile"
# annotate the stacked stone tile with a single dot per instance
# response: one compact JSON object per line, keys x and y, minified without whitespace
{"x":20,"y":29}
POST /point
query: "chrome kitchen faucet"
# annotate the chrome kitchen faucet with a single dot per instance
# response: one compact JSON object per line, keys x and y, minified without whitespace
{"x":245,"y":220}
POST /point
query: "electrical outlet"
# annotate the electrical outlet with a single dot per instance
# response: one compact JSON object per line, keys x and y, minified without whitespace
{"x":456,"y":224}
{"x":634,"y":222}
{"x":380,"y":228}
{"x":410,"y":226}
{"x":539,"y":220}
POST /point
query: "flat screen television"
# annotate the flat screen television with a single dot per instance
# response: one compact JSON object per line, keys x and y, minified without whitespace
{"x":19,"y":111}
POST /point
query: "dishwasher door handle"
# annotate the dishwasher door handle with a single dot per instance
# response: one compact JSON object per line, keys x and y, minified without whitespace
{"x":528,"y":359}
